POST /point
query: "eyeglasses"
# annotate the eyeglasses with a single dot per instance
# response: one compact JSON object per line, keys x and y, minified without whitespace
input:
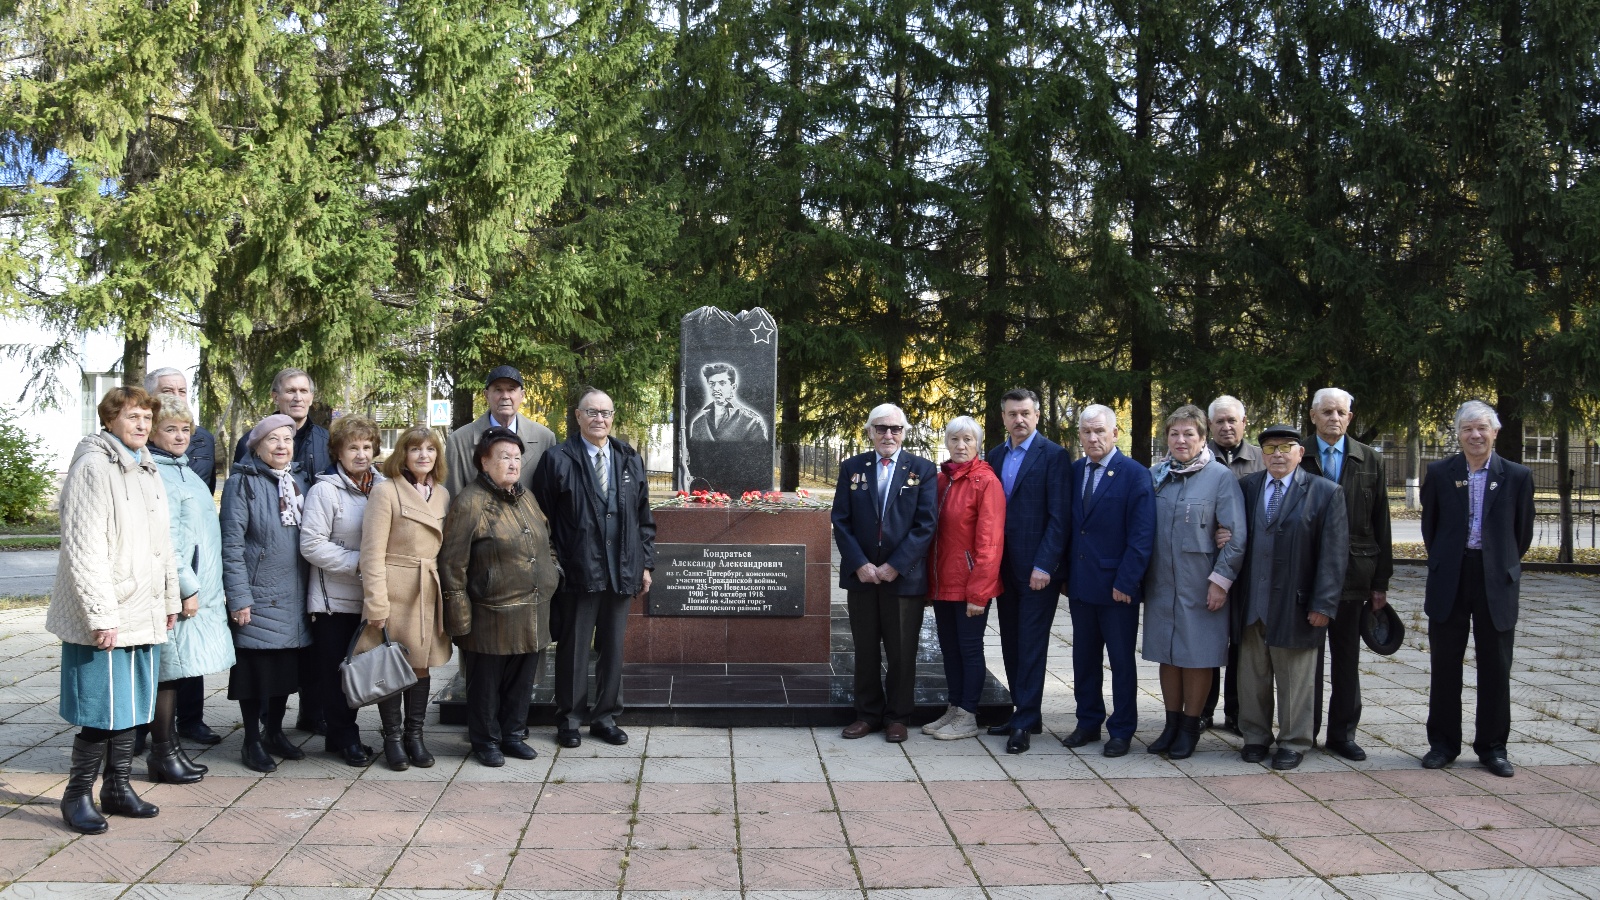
{"x":1276,"y":449}
{"x":598,"y":413}
{"x":888,"y":429}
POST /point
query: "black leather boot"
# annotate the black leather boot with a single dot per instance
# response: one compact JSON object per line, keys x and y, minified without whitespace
{"x":77,"y":801}
{"x":416,"y":716}
{"x":255,"y":757}
{"x":279,"y":744}
{"x":1163,"y":743}
{"x":392,"y":717}
{"x":189,"y":765}
{"x":116,"y":794}
{"x":165,"y":766}
{"x":1188,"y":736}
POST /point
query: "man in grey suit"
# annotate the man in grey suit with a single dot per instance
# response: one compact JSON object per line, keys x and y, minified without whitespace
{"x":1287,"y":592}
{"x":504,"y":391}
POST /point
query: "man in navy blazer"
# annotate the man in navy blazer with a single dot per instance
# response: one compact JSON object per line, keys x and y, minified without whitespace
{"x":1477,"y":522}
{"x":1036,"y":476}
{"x":884,"y":509}
{"x":1113,"y":535}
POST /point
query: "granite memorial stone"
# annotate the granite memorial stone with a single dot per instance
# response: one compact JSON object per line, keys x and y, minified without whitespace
{"x":727,"y":400}
{"x":729,"y":580}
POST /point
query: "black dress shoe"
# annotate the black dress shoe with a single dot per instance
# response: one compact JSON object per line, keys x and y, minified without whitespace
{"x":357,"y":756}
{"x":1437,"y":759}
{"x":199,"y":733}
{"x":1497,"y":764}
{"x":1115,"y":747}
{"x":568,"y":737}
{"x":1079,"y":737}
{"x":278,"y":744}
{"x":1018,"y":742}
{"x":1348,"y":749}
{"x":611,"y":734}
{"x":256,"y":758}
{"x":490,"y":756}
{"x":1253,"y":753}
{"x":1206,"y":722}
{"x":1004,"y":729}
{"x":518,"y":750}
{"x":1286,"y":759}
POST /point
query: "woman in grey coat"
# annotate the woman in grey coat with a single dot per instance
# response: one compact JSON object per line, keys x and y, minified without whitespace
{"x":1186,"y":586}
{"x":330,"y":540}
{"x":264,"y":577}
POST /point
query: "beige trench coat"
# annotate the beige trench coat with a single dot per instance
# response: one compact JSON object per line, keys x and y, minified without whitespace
{"x":400,"y":538}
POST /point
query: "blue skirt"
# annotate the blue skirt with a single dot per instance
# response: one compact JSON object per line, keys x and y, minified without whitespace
{"x":109,"y":689}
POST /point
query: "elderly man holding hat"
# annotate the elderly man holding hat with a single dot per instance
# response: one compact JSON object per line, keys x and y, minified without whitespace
{"x":264,"y":580}
{"x":504,"y":392}
{"x":1287,"y":592}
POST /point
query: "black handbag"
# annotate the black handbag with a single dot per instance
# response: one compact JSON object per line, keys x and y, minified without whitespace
{"x":376,"y":675}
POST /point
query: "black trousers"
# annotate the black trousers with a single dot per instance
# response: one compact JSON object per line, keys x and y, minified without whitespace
{"x":600,"y":618}
{"x":499,"y":691}
{"x":1341,"y":657}
{"x":1227,"y":689}
{"x":330,"y":636}
{"x":885,"y":627}
{"x":191,"y":701}
{"x":310,"y":686}
{"x":1447,"y":640}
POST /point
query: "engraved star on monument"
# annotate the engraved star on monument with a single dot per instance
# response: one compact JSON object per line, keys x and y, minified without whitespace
{"x":763,"y":333}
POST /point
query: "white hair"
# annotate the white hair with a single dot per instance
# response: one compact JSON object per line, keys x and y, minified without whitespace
{"x":1477,"y":411}
{"x":1097,"y":412}
{"x":152,"y":380}
{"x":1333,"y":393}
{"x":964,"y":425}
{"x":1226,"y":401}
{"x":883,"y":410}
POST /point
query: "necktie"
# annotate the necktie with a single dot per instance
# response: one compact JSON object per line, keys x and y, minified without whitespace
{"x":1274,"y":500}
{"x":1328,"y":457}
{"x":1088,"y":483}
{"x":602,"y":473}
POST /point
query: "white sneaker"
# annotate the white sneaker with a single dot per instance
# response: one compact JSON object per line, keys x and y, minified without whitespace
{"x":938,"y":723}
{"x":961,"y":725}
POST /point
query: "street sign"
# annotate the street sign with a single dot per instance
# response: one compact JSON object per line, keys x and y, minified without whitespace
{"x":438,"y":413}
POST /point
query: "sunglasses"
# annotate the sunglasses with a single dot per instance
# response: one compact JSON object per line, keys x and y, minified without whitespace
{"x":1275,"y":449}
{"x":888,"y":429}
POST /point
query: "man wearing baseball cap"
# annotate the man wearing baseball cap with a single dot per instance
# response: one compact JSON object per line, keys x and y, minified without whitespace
{"x":503,"y":390}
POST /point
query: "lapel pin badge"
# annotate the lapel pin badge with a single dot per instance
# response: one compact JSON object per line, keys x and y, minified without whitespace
{"x":1493,"y":485}
{"x":1461,"y":484}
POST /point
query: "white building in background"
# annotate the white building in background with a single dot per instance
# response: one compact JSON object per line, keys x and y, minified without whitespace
{"x":97,"y":368}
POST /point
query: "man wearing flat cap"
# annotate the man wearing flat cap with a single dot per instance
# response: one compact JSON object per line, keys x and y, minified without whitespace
{"x":503,"y":389}
{"x":1287,"y":592}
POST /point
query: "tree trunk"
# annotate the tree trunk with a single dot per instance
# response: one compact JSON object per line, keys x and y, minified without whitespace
{"x":135,"y":357}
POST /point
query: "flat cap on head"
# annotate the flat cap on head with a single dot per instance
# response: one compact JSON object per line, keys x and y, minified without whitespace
{"x":507,"y":372}
{"x":1281,"y":432}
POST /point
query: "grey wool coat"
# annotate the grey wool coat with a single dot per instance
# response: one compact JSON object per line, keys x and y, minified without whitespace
{"x":1178,"y":629}
{"x":261,"y":563}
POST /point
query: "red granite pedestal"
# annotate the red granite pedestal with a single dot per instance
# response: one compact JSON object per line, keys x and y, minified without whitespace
{"x":740,"y":639}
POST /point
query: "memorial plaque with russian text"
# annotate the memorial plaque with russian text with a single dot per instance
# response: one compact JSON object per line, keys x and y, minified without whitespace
{"x":729,"y":580}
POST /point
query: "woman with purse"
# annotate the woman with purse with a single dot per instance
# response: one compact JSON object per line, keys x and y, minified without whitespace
{"x":400,"y":537}
{"x":330,"y":540}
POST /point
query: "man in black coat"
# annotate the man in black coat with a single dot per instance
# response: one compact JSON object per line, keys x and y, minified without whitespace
{"x":594,"y":491}
{"x":1228,"y":428}
{"x":1477,"y":522}
{"x":1358,"y":470}
{"x":1286,"y":593}
{"x":884,"y":509}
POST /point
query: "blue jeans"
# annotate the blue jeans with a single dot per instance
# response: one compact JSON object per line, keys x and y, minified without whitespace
{"x":961,"y":643}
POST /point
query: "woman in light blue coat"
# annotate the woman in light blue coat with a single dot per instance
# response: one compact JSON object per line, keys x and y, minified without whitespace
{"x":199,"y":643}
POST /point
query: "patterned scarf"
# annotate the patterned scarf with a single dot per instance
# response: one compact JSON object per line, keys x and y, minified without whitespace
{"x":1168,"y":467}
{"x":291,"y":503}
{"x":362,"y":481}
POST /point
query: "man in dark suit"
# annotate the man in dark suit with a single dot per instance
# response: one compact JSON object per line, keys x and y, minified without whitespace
{"x":884,"y":509}
{"x":1113,"y":534}
{"x":594,"y":491}
{"x":1228,"y":445}
{"x":1357,"y":469}
{"x":1477,"y":522}
{"x":1286,"y":593}
{"x":1037,"y":478}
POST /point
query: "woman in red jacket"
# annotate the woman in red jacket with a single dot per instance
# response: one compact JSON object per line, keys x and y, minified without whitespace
{"x":964,"y":572}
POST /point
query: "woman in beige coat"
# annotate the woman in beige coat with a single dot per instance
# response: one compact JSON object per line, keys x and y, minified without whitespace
{"x":400,"y":537}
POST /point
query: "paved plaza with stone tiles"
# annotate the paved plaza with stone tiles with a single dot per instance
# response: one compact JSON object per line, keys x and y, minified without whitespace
{"x":802,"y":814}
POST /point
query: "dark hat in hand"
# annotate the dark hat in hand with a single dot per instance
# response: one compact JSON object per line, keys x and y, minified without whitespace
{"x":1381,"y":629}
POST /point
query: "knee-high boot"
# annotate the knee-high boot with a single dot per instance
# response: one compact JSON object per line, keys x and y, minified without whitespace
{"x":77,"y":801}
{"x":116,"y":794}
{"x":392,"y":716}
{"x":416,"y":716}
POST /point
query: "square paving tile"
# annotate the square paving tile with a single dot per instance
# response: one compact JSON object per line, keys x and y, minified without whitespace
{"x":1043,"y":864}
{"x":914,"y":867}
{"x":900,"y":828}
{"x":179,"y":823}
{"x":369,"y":828}
{"x":404,"y":796}
{"x":247,"y":825}
{"x":1095,"y":825}
{"x":1340,"y":785}
{"x":585,"y":798}
{"x":1136,"y":861}
{"x":34,"y":822}
{"x":476,"y":868}
{"x":578,"y":831}
{"x":1073,"y":794}
{"x":1405,"y":885}
{"x":1386,"y":816}
{"x":1435,"y":850}
{"x":1562,"y":809}
{"x":883,"y":797}
{"x":205,"y":863}
{"x":1348,"y":854}
{"x":808,"y":797}
{"x":1285,"y":820}
{"x":314,"y":865}
{"x":1417,"y":783}
{"x":1477,"y":812}
{"x":975,"y":795}
{"x":682,"y":870}
{"x":1142,"y":792}
{"x":687,"y":770}
{"x":471,"y":829}
{"x":17,"y":857}
{"x":993,"y":826}
{"x":293,"y":793}
{"x":870,"y":769}
{"x":477,"y":796}
{"x":1198,"y":823}
{"x":213,"y":790}
{"x":1278,"y":889}
{"x":1236,"y":790}
{"x":785,"y":830}
{"x":686,"y":798}
{"x":684,"y":831}
{"x":566,"y":870}
{"x":103,"y":858}
{"x":1241,"y":858}
{"x":1505,"y":884}
{"x":806,"y":871}
{"x":1543,"y":846}
{"x":778,"y":769}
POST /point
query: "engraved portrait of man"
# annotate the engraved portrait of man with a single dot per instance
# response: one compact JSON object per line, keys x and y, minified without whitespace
{"x":724,"y":419}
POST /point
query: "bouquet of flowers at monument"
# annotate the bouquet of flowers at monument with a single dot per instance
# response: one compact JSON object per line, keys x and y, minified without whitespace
{"x":764,"y":501}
